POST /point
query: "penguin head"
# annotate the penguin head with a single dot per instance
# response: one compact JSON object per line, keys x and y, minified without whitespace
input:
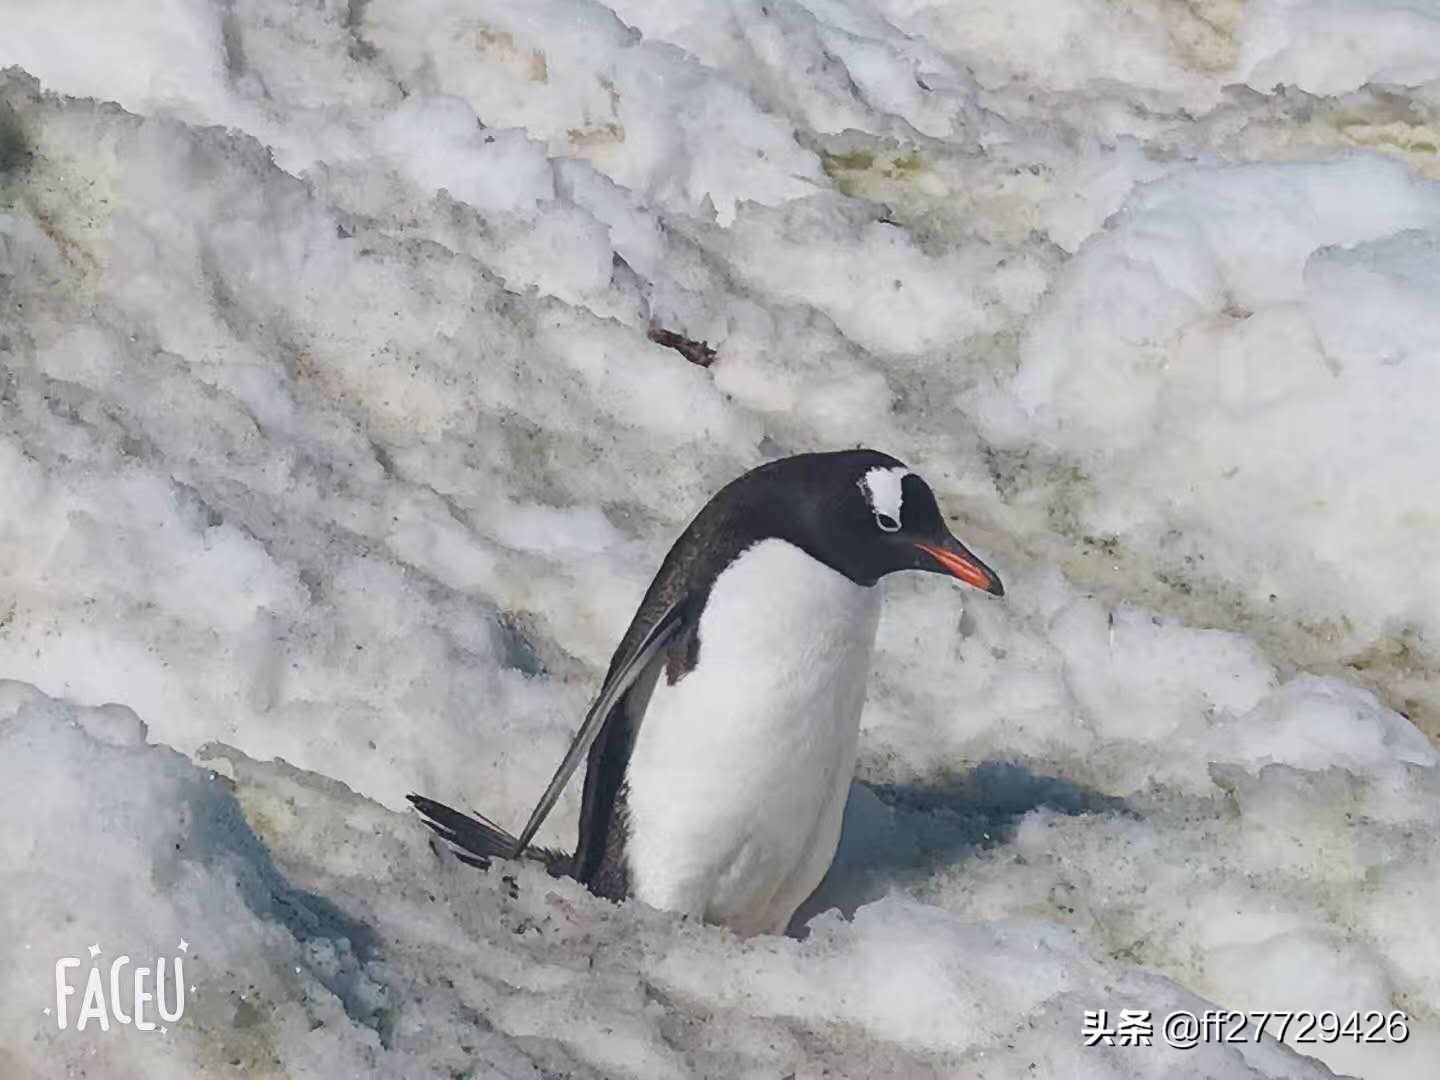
{"x":866,"y":514}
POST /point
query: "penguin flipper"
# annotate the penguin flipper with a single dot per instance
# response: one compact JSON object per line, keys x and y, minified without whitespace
{"x":477,"y":840}
{"x":623,"y":674}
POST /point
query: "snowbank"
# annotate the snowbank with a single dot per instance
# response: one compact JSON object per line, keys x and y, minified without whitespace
{"x":343,"y":945}
{"x":332,"y":430}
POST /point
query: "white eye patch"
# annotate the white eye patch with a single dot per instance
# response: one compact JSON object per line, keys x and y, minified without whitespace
{"x":883,"y":491}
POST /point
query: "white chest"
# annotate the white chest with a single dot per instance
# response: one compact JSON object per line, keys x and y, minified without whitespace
{"x":740,"y":770}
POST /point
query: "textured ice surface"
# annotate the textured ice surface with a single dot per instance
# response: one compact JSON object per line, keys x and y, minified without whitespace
{"x":344,"y":947}
{"x":331,"y":430}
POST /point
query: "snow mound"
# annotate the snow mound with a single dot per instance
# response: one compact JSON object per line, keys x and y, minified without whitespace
{"x":338,"y":943}
{"x":359,"y":361}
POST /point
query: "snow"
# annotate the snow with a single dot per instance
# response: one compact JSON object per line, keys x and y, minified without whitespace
{"x":1201,"y":337}
{"x":332,"y":431}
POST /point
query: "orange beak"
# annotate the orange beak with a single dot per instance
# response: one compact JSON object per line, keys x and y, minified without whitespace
{"x":959,"y":563}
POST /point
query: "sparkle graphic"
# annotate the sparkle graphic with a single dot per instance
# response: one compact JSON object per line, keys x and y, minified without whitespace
{"x":46,"y":1010}
{"x":184,"y":945}
{"x":94,"y":951}
{"x":164,"y":1030}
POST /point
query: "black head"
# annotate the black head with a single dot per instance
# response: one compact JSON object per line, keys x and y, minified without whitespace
{"x":861,"y":512}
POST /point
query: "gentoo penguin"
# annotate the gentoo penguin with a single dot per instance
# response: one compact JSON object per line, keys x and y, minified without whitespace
{"x":721,"y":747}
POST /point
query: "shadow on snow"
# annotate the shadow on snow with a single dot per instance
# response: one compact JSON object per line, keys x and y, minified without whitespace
{"x":895,"y":834}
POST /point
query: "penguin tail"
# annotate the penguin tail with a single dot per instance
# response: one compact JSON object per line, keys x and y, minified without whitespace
{"x":477,"y":840}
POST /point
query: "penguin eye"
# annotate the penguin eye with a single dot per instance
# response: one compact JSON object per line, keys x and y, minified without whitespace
{"x":886,"y":522}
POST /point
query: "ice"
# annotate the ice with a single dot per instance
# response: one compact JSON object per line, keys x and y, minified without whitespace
{"x":344,"y":947}
{"x":1385,"y":43}
{"x":337,"y":446}
{"x":1195,"y":344}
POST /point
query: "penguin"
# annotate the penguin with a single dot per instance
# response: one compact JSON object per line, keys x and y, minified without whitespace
{"x":720,"y":749}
